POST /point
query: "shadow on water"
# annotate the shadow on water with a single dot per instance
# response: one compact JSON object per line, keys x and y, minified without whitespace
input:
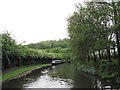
{"x":60,"y":76}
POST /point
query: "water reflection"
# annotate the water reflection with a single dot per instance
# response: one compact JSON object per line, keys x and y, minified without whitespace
{"x":47,"y":82}
{"x":70,"y":72}
{"x":60,"y":76}
{"x":51,"y":78}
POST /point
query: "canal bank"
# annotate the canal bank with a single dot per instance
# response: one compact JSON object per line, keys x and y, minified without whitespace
{"x":58,"y":76}
{"x":105,"y":72}
{"x":20,"y":71}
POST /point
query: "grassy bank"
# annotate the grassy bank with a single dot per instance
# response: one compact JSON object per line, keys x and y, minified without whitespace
{"x":13,"y":73}
{"x":104,"y":69}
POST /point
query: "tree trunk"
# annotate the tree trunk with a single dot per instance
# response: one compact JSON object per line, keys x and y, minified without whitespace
{"x":109,"y":56}
{"x":99,"y":54}
{"x":102,"y":56}
{"x":114,"y":53}
{"x":94,"y":57}
{"x":88,"y":58}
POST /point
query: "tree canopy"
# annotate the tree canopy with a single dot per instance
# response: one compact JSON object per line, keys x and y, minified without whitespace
{"x":94,"y":31}
{"x":16,"y":54}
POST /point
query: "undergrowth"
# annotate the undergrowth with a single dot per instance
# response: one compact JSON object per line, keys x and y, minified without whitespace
{"x":103,"y":68}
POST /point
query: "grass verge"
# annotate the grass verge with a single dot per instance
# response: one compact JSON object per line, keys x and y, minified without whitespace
{"x":19,"y":71}
{"x":102,"y":68}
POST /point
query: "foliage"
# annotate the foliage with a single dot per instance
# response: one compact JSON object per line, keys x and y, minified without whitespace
{"x":87,"y":68}
{"x":91,"y":29}
{"x":59,"y":47}
{"x":108,"y":70}
{"x":94,"y":35}
{"x":49,"y":44}
{"x":16,"y":54}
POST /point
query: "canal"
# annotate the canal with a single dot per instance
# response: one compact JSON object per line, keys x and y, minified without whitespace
{"x":60,"y":76}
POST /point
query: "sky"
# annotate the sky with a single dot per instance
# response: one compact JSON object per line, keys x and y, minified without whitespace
{"x":33,"y":21}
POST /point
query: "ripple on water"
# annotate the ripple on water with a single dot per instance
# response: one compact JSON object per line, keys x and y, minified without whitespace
{"x":48,"y":82}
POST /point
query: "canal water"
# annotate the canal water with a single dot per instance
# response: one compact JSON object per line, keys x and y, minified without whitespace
{"x":59,"y":76}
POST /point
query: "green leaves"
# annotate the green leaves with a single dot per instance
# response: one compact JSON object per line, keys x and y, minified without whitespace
{"x":91,"y":28}
{"x":49,"y":44}
{"x":11,"y":50}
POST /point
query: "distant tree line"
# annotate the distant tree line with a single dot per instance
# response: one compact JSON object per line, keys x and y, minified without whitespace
{"x":49,"y":44}
{"x":14,"y":54}
{"x":53,"y":46}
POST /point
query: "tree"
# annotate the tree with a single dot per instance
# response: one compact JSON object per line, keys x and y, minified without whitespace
{"x":94,"y":31}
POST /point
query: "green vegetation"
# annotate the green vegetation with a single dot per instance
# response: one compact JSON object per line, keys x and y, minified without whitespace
{"x":94,"y":43}
{"x":95,"y":38}
{"x":15,"y":55}
{"x":108,"y":70}
{"x":14,"y":73}
{"x":27,"y":57}
{"x":49,"y":44}
{"x":87,"y":67}
{"x":59,"y":47}
{"x":104,"y":69}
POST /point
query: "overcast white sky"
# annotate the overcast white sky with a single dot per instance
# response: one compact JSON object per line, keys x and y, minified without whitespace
{"x":36,"y":20}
